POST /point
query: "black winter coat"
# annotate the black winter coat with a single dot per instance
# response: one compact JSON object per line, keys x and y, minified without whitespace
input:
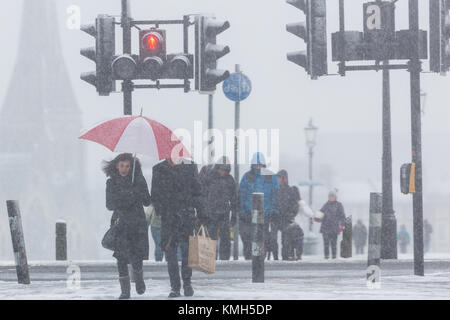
{"x":219,"y":196}
{"x":127,"y":201}
{"x":360,"y":234}
{"x":334,"y":217}
{"x":176,"y":195}
{"x":286,"y":203}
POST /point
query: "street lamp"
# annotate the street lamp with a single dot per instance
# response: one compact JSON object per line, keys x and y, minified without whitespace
{"x":311,"y":240}
{"x":311,"y":140}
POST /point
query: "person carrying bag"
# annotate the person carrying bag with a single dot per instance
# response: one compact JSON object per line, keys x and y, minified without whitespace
{"x":202,"y":251}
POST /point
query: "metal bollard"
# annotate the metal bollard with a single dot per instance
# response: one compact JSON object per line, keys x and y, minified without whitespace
{"x":61,"y":241}
{"x":18,"y":242}
{"x":374,"y":252}
{"x":258,"y":251}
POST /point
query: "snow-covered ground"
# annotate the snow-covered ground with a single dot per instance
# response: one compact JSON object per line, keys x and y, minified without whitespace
{"x":315,"y":279}
{"x":433,"y":286}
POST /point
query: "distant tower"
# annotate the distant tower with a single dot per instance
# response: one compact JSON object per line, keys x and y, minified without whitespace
{"x":41,"y":159}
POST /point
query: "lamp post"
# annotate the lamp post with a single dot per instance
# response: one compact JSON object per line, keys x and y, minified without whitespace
{"x":311,"y":140}
{"x":311,"y":240}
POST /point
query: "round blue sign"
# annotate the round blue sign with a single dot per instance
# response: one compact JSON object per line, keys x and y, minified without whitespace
{"x":237,"y":87}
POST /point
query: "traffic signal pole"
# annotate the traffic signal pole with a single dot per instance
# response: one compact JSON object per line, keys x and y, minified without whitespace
{"x":127,"y":85}
{"x":389,"y":222}
{"x":237,"y":124}
{"x":416,"y":140}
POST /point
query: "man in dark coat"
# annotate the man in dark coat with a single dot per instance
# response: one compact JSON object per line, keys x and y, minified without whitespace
{"x":219,"y":190}
{"x":176,"y":195}
{"x":286,"y":202}
{"x":127,"y":199}
{"x":360,"y":237}
{"x":332,"y":224}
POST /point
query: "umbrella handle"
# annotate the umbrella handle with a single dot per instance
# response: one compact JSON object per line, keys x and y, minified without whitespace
{"x":134,"y":168}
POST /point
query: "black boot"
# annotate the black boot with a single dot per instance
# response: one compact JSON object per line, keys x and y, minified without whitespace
{"x":125,"y":286}
{"x":188,"y":290}
{"x":139,"y":280}
{"x":174,"y":293}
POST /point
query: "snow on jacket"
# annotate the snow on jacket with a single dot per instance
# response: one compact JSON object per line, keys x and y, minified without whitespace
{"x":258,"y":181}
{"x":127,"y":200}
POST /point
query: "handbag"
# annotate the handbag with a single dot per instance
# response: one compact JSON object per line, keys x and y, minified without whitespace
{"x":109,"y":239}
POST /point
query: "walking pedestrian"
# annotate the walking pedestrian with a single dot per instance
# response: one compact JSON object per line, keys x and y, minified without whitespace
{"x":360,"y":236}
{"x":257,"y":180}
{"x":127,"y":200}
{"x":219,"y":196}
{"x":332,"y":224}
{"x":427,"y":231}
{"x":403,"y":239}
{"x":287,"y":204}
{"x":176,"y":195}
{"x":155,"y":229}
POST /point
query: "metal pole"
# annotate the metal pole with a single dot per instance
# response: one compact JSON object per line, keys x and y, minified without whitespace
{"x":374,"y":252}
{"x":61,"y":241}
{"x":211,"y":152}
{"x":18,"y":242}
{"x":389,"y":222}
{"x":342,"y":30}
{"x":258,"y":251}
{"x":416,"y":140}
{"x":127,"y":85}
{"x":311,"y":186}
{"x":237,"y":124}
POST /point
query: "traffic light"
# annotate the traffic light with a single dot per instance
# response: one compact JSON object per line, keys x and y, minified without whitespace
{"x":208,"y":52}
{"x":440,"y":36}
{"x":314,"y":32}
{"x":153,"y":53}
{"x":408,"y":178}
{"x":102,"y":54}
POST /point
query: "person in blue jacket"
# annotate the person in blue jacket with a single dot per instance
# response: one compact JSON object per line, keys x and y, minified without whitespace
{"x":257,"y":180}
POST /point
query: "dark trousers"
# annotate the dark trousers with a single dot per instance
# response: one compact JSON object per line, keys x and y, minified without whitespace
{"x":219,"y":229}
{"x":330,"y":240}
{"x":173,"y":267}
{"x":271,"y":229}
{"x":122,"y":266}
{"x":245,"y":231}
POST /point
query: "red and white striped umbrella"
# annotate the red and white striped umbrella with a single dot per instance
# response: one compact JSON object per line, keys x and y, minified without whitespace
{"x":137,"y":134}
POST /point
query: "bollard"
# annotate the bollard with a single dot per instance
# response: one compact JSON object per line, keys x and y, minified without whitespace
{"x":61,"y":241}
{"x":374,"y":252}
{"x":258,"y":251}
{"x":18,"y":242}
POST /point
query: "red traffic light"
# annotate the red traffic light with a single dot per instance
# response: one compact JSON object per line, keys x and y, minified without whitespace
{"x":153,"y":42}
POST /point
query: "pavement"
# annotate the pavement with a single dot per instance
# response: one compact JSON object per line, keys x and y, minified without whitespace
{"x":311,"y":278}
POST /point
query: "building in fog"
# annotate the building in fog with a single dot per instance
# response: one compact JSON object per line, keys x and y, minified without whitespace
{"x":41,"y":159}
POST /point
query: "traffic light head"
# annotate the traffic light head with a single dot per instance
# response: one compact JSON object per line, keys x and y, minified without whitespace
{"x":208,"y":52}
{"x":440,"y":36}
{"x":313,"y":32}
{"x":153,"y":53}
{"x":102,"y":54}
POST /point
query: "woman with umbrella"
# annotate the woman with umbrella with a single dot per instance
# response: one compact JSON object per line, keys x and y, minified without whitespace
{"x":127,"y":199}
{"x":126,"y":189}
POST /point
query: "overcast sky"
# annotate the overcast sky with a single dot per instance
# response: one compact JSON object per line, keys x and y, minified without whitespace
{"x":283,"y":97}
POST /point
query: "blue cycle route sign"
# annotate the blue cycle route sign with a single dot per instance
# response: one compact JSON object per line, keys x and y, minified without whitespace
{"x":237,"y":87}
